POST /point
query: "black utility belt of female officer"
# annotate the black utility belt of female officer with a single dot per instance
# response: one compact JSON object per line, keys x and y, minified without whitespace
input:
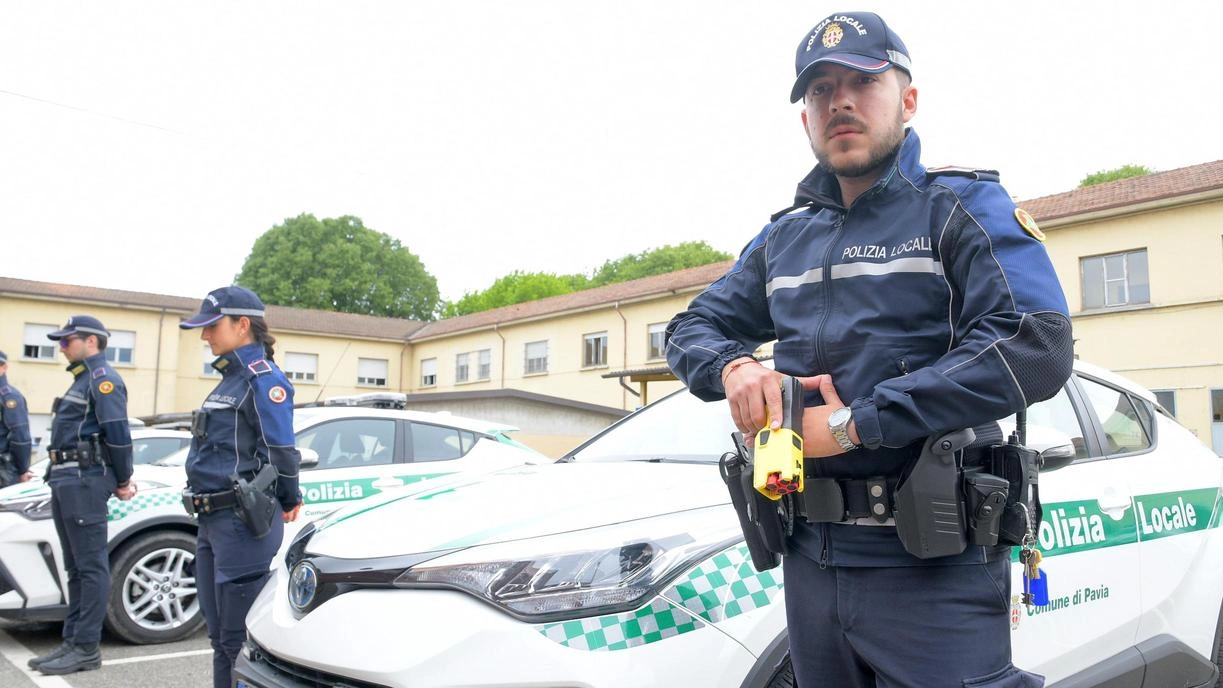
{"x":208,"y":502}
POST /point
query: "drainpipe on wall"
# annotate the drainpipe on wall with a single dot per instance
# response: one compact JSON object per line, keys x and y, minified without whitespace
{"x":497,"y":331}
{"x":624,"y":353}
{"x":403,"y":363}
{"x":157,"y":369}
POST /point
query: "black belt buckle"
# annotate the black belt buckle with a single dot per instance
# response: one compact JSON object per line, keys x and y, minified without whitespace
{"x":823,"y":501}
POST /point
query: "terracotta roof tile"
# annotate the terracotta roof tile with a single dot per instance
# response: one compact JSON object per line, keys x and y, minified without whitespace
{"x":1122,"y":192}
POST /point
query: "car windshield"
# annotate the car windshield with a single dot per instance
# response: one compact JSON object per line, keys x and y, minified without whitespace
{"x":678,"y":427}
{"x":178,"y":458}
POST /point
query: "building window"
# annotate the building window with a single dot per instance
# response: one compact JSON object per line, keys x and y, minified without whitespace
{"x":461,"y":367}
{"x":1117,"y":279}
{"x":536,"y":357}
{"x":484,"y":358}
{"x":301,"y":367}
{"x":428,"y":372}
{"x":594,"y":350}
{"x":119,"y":347}
{"x":35,"y":344}
{"x":658,"y":341}
{"x":208,"y":359}
{"x":1167,"y":399}
{"x":372,"y":372}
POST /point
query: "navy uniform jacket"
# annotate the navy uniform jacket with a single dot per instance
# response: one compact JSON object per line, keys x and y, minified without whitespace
{"x":95,"y":404}
{"x":250,"y":422}
{"x":15,"y":428}
{"x":927,"y":302}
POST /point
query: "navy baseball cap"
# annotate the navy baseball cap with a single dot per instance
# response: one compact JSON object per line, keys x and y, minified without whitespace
{"x":233,"y":300}
{"x":3,"y":357}
{"x":80,"y":324}
{"x":858,"y":40}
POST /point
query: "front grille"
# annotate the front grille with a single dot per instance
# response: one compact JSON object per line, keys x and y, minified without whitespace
{"x":305,"y":675}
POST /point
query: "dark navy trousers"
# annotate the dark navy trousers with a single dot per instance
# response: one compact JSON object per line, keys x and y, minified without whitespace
{"x":901,"y":627}
{"x":78,"y":506}
{"x":231,"y":567}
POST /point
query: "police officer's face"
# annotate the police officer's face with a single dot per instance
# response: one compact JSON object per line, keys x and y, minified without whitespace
{"x":73,"y":347}
{"x":855,"y":120}
{"x":227,"y":334}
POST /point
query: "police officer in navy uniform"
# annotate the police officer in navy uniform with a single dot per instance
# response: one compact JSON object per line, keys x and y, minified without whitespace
{"x":246,"y":424}
{"x":90,"y":459}
{"x":14,"y":431}
{"x":926,"y":301}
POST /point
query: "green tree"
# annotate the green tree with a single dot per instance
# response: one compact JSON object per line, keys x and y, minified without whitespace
{"x":659,"y":261}
{"x":518,"y":287}
{"x":515,"y":287}
{"x":1123,"y":172}
{"x":338,"y":264}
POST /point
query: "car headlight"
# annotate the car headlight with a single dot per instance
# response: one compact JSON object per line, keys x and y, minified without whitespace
{"x":598,"y":571}
{"x":36,"y":508}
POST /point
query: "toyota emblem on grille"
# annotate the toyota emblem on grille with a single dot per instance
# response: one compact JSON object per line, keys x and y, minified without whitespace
{"x":303,"y":585}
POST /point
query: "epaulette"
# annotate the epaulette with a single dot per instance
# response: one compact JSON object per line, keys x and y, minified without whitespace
{"x":259,"y":367}
{"x":970,"y":172}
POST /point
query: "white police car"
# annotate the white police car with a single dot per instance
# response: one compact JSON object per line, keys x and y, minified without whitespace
{"x":350,"y":450}
{"x":623,"y":565}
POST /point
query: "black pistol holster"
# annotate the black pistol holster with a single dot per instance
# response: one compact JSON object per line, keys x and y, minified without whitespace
{"x":8,"y":471}
{"x":255,"y":506}
{"x":929,"y":508}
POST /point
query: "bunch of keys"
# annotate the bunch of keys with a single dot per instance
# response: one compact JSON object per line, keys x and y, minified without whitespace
{"x":1035,"y":581}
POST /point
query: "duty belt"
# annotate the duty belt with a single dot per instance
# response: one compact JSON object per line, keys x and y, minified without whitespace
{"x":84,"y":459}
{"x":830,"y":500}
{"x":208,"y":502}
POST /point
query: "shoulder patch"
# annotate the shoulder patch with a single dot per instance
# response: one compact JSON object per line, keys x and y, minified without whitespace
{"x":106,"y":387}
{"x":11,"y":403}
{"x":1028,"y":223}
{"x":970,"y":172}
{"x":260,"y":367}
{"x":278,"y":394}
{"x":97,"y":373}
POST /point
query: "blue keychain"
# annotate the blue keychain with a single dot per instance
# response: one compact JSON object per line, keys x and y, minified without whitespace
{"x":1035,"y":581}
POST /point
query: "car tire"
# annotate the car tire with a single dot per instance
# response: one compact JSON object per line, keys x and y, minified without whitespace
{"x":152,"y":589}
{"x":784,"y":676}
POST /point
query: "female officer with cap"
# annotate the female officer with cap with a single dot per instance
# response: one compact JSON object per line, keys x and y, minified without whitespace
{"x":245,"y":425}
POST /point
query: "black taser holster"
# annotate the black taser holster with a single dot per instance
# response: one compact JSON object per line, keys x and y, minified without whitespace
{"x":765,"y":523}
{"x":255,"y":506}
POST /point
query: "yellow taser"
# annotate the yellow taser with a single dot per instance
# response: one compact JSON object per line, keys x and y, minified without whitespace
{"x":778,"y":454}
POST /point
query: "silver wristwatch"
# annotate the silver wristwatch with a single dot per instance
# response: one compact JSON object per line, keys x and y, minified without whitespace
{"x":838,"y":423}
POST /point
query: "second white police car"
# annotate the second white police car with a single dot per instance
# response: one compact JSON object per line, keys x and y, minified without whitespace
{"x":352,"y":448}
{"x":623,"y":565}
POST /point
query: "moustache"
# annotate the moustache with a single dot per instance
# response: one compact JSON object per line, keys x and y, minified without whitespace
{"x":844,"y":120}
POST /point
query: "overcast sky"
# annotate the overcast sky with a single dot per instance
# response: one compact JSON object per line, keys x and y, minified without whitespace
{"x":145,"y":145}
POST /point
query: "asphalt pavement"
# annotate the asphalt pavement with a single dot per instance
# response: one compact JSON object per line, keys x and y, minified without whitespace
{"x":185,"y":664}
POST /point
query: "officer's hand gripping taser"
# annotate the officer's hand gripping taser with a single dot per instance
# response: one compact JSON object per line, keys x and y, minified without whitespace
{"x":255,"y":507}
{"x":765,"y":480}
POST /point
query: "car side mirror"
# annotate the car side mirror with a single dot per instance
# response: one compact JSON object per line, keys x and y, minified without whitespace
{"x":309,"y":457}
{"x":1056,"y":457}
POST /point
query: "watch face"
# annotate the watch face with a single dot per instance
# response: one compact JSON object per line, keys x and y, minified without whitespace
{"x":840,"y":416}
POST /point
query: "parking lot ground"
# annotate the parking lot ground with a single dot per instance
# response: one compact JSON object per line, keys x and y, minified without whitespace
{"x":185,"y":664}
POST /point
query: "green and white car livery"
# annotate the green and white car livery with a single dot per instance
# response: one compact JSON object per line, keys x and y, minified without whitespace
{"x":350,"y":452}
